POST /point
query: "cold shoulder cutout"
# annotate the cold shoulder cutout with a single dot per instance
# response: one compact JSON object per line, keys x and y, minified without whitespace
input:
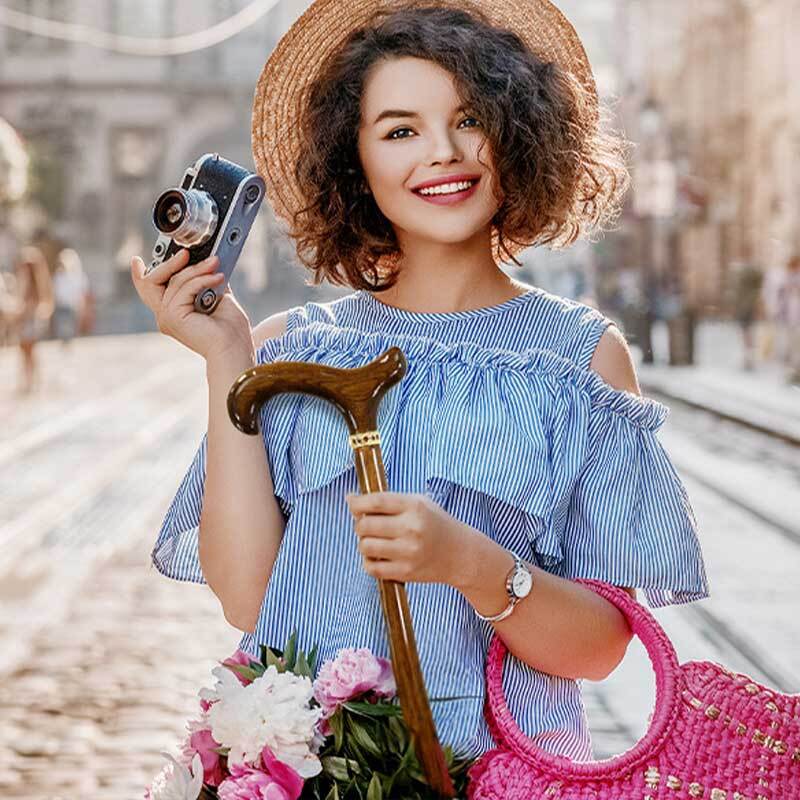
{"x":500,"y":421}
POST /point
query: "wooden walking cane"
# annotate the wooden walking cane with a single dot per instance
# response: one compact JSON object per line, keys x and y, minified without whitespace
{"x":357,"y":394}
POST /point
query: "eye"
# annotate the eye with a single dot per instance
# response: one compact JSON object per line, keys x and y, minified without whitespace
{"x":474,"y":119}
{"x":398,"y":130}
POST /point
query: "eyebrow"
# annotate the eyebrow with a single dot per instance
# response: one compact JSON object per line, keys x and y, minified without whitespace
{"x":399,"y":112}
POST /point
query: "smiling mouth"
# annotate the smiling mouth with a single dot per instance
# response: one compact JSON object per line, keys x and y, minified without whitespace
{"x":446,"y":189}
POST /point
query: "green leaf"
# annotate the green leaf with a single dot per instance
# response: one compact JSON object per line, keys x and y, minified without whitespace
{"x":290,"y":654}
{"x":274,"y":660}
{"x":364,"y":740}
{"x":399,"y":732}
{"x":333,"y":794}
{"x":337,"y":724}
{"x":246,"y":672}
{"x":301,"y":666}
{"x":312,"y":659}
{"x":341,"y":769}
{"x":379,"y":709}
{"x":375,"y":791}
{"x":257,"y":666}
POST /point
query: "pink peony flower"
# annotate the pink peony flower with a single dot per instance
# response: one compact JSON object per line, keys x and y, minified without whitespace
{"x":242,"y":658}
{"x":352,"y":673}
{"x":282,"y":773}
{"x":276,"y":782}
{"x":203,"y":742}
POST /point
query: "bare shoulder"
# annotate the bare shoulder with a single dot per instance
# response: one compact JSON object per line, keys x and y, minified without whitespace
{"x":612,"y":360}
{"x":270,"y":328}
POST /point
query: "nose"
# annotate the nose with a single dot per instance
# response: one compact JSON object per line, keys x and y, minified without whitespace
{"x":444,"y":149}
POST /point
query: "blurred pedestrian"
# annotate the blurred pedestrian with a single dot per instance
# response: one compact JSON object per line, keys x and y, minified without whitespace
{"x":8,"y":300}
{"x":70,"y":290}
{"x":789,"y":315}
{"x":748,"y":280}
{"x":34,"y":308}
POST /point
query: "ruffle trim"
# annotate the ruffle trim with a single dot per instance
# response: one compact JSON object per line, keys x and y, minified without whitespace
{"x":516,"y":427}
{"x":349,"y":347}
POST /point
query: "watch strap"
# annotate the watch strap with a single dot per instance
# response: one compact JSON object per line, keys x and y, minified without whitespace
{"x":513,"y":599}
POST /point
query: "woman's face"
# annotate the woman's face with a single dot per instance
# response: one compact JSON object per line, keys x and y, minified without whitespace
{"x":426,"y":136}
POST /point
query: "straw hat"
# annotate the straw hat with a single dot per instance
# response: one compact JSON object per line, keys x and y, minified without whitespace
{"x":293,"y":65}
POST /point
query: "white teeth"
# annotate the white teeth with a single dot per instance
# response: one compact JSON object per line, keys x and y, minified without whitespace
{"x":447,"y":188}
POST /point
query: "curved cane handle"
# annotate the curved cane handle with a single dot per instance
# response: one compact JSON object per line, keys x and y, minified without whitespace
{"x":357,"y":394}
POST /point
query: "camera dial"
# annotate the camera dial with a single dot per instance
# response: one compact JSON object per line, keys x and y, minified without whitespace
{"x":189,"y":216}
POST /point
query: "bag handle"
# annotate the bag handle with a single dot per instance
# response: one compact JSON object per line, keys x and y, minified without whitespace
{"x":667,"y":703}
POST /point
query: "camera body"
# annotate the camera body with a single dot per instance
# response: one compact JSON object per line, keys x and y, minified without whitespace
{"x":210,"y":213}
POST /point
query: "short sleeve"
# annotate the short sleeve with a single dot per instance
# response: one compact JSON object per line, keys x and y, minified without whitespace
{"x":175,"y":553}
{"x":627,"y":518}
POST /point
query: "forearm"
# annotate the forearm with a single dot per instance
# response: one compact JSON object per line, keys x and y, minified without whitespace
{"x":241,"y":525}
{"x":560,"y":628}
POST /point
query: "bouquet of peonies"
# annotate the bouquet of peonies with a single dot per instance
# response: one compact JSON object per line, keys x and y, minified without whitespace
{"x":268,"y":731}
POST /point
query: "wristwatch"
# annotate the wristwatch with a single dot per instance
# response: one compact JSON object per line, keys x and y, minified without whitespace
{"x":518,"y":585}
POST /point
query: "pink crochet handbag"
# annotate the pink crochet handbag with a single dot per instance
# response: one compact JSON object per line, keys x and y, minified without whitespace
{"x":714,"y":734}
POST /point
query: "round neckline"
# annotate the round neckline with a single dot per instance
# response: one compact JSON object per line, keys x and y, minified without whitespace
{"x":443,"y":316}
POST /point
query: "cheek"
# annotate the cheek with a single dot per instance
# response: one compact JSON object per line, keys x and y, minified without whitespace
{"x":387,"y":174}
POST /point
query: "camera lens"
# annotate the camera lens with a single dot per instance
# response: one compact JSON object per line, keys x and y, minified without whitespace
{"x":189,"y":216}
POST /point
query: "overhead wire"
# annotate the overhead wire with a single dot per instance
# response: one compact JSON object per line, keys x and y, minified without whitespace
{"x":137,"y":45}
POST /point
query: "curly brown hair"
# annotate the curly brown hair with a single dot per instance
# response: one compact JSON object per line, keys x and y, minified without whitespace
{"x":559,"y":176}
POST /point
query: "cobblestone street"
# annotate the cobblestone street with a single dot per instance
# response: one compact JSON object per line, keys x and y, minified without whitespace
{"x":101,"y":657}
{"x":111,"y":686}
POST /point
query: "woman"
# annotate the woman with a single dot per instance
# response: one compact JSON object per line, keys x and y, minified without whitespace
{"x":412,"y":150}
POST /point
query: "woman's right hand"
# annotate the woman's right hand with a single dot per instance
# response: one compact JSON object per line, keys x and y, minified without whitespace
{"x":169,"y":292}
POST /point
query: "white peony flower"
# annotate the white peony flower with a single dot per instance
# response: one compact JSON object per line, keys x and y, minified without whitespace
{"x":176,"y":782}
{"x":271,"y":711}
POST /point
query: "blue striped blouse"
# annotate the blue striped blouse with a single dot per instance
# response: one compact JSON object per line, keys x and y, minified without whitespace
{"x":500,"y":420}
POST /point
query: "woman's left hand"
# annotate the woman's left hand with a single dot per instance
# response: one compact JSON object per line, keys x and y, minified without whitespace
{"x":409,"y":537}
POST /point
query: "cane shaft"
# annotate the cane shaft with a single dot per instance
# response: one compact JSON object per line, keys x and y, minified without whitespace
{"x":403,"y":645}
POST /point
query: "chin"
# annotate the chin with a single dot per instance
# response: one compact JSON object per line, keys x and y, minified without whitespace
{"x":458,"y":235}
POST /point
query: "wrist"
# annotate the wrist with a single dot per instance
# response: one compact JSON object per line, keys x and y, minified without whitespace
{"x":483,"y":561}
{"x":231,"y":358}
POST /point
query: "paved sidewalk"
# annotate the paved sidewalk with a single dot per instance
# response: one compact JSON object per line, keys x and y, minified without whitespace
{"x":761,"y":397}
{"x":87,"y":715}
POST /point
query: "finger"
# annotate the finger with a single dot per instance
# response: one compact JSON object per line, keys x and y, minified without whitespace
{"x":378,"y":502}
{"x":380,"y":526}
{"x":149,"y":293}
{"x":164,"y":271}
{"x":190,"y":289}
{"x":380,"y":549}
{"x":176,"y":282}
{"x":384,"y":570}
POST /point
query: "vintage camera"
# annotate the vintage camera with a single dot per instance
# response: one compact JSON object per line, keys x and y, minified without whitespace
{"x":210,"y":214}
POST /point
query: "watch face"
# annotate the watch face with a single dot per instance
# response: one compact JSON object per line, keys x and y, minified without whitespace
{"x":521,"y":583}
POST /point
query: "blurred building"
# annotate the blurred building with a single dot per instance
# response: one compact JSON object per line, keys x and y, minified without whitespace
{"x":721,"y":72}
{"x":578,"y":271}
{"x":108,"y":131}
